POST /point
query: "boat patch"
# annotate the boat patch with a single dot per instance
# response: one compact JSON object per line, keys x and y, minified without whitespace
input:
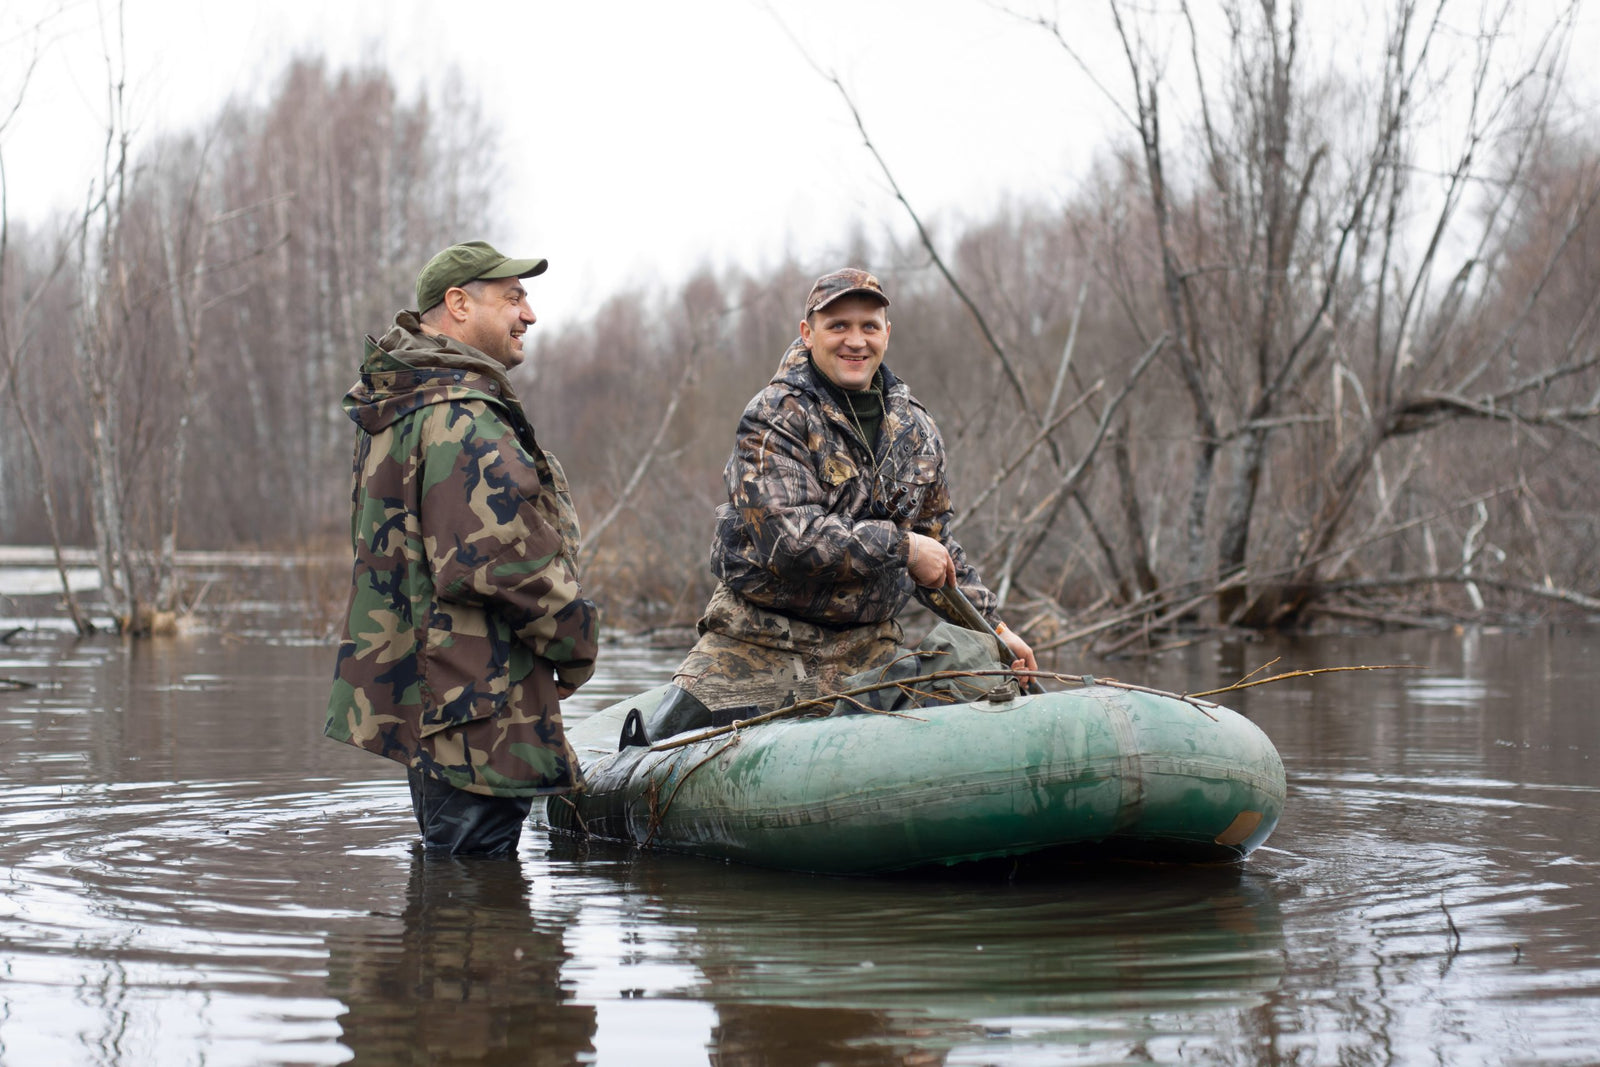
{"x":1243,"y":825}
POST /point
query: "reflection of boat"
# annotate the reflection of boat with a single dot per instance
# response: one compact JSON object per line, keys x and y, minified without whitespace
{"x":1099,"y":767}
{"x":933,"y":963}
{"x":1021,"y":963}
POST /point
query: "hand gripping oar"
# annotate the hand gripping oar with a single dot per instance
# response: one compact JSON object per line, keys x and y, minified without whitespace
{"x":957,"y":604}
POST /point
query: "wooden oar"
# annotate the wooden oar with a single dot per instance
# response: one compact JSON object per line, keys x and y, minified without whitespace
{"x":956,"y":602}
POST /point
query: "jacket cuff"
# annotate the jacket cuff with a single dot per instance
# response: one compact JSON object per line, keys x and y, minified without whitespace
{"x":573,"y":676}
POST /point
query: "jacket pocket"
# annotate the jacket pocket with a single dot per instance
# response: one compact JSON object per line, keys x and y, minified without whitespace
{"x":901,"y":493}
{"x":466,"y":671}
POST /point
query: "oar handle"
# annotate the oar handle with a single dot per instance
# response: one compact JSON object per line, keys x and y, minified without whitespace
{"x":972,"y":619}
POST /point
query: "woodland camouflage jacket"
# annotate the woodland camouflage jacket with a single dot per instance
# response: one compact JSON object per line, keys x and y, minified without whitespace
{"x":815,"y":524}
{"x":464,"y":606}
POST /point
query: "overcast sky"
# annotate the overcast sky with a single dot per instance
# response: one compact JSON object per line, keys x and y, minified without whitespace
{"x":640,"y":138}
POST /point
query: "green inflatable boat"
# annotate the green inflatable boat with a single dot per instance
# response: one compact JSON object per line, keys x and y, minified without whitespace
{"x":1047,"y":776}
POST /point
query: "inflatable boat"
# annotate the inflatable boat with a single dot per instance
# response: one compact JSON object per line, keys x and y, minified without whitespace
{"x":1059,"y":775}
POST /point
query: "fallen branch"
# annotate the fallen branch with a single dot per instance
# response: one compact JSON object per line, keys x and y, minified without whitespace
{"x":1382,"y":618}
{"x":1163,"y":602}
{"x":1173,"y":614}
{"x":1166,"y":601}
{"x":1565,"y":596}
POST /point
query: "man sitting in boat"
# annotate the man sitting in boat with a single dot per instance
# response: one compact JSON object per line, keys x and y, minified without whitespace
{"x":838,"y":512}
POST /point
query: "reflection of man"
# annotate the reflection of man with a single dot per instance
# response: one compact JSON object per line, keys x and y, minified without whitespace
{"x":838,"y":511}
{"x":469,"y":978}
{"x":775,"y":1034}
{"x":466,"y":625}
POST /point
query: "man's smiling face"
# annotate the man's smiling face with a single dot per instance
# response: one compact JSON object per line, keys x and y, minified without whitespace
{"x":497,"y":316}
{"x":848,"y":339}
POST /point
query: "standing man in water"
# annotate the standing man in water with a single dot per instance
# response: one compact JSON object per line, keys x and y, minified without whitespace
{"x":466,"y":625}
{"x":838,"y":511}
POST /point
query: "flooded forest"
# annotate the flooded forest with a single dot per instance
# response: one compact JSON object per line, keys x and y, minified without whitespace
{"x":1288,"y":356}
{"x":1302,"y":373}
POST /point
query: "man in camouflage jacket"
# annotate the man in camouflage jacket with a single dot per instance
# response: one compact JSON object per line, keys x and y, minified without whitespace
{"x":466,"y":624}
{"x":838,"y":512}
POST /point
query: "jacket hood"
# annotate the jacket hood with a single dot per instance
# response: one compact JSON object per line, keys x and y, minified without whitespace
{"x":407,"y":369}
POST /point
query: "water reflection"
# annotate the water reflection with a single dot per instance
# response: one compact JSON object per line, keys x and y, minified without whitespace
{"x":190,"y":874}
{"x":464,"y":975}
{"x":802,"y":969}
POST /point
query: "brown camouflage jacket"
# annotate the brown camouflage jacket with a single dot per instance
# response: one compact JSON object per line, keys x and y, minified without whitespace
{"x":464,"y":604}
{"x":815,"y":524}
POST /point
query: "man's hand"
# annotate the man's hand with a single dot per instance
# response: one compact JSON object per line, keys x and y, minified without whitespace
{"x":564,"y":691}
{"x":1024,"y":660}
{"x":929,"y":563}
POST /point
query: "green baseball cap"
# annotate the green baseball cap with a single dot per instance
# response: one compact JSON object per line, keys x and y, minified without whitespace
{"x":469,"y":262}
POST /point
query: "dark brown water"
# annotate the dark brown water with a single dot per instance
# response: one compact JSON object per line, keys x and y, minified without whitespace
{"x":190,"y":874}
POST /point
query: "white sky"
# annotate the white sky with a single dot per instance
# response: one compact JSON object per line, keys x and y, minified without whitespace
{"x":641,"y":138}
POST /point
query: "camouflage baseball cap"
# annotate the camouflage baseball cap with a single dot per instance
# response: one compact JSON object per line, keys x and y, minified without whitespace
{"x":470,"y":262}
{"x":850,"y":280}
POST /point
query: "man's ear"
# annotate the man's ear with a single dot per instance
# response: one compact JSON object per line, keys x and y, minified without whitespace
{"x":455,"y":303}
{"x":805,"y":332}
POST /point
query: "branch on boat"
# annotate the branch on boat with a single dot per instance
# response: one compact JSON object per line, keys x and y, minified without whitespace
{"x":1237,"y":686}
{"x":576,"y":814}
{"x":658,"y":812}
{"x":908,"y":685}
{"x":790,"y":710}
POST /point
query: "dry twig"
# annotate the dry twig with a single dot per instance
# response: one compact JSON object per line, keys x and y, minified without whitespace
{"x":1237,"y":686}
{"x":908,"y":685}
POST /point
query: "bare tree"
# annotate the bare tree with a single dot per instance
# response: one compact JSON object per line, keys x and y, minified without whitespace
{"x":99,"y":331}
{"x":1271,"y":270}
{"x":16,"y":326}
{"x":220,"y":284}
